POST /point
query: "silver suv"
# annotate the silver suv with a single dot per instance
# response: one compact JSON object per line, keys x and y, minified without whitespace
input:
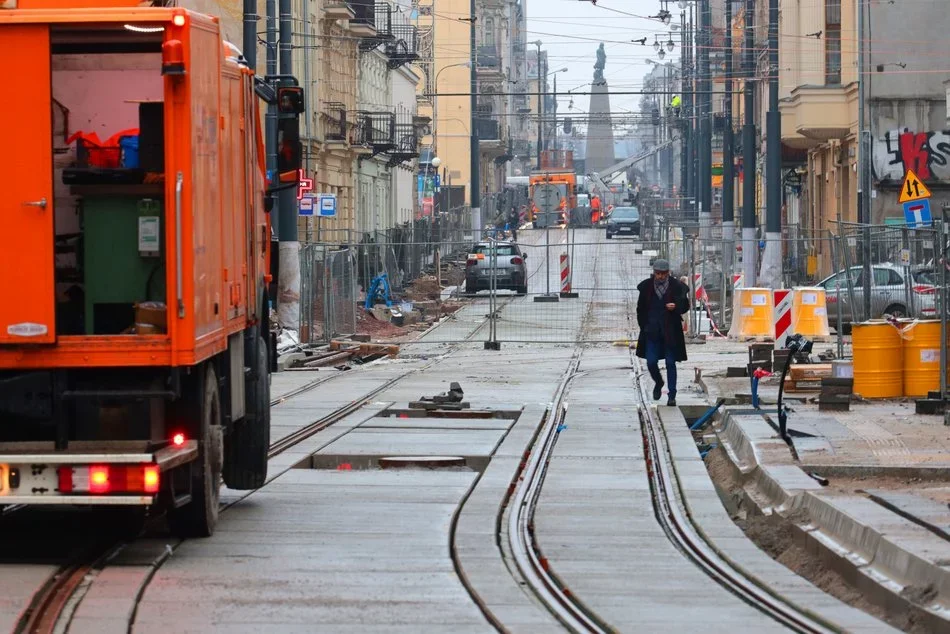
{"x":511,"y":272}
{"x":891,"y":294}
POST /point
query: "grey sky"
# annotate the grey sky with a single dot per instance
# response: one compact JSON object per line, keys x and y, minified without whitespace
{"x":571,"y":30}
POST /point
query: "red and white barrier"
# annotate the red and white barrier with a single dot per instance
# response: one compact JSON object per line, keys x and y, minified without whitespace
{"x":738,"y":280}
{"x":700,"y":289}
{"x":783,"y":316}
{"x":566,"y":276}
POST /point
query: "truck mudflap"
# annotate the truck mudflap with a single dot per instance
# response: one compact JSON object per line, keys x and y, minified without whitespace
{"x":89,"y":478}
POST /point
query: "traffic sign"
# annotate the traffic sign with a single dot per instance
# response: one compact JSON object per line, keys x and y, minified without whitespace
{"x":913,"y":189}
{"x":547,"y":198}
{"x":327,"y":206}
{"x":917,"y":214}
{"x":306,"y":204}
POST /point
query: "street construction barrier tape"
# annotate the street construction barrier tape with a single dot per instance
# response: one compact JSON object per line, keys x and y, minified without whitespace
{"x":782,"y":299}
{"x":810,"y":313}
{"x":752,"y":317}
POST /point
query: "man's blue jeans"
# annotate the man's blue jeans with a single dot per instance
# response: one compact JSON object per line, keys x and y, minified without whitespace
{"x":656,"y":350}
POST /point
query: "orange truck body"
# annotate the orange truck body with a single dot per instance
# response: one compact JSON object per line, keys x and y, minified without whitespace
{"x":217,"y":240}
{"x":556,"y":168}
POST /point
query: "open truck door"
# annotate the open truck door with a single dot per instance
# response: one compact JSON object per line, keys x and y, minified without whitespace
{"x":28,"y":304}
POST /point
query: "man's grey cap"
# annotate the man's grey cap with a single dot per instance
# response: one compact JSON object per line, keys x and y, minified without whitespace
{"x":661,"y":265}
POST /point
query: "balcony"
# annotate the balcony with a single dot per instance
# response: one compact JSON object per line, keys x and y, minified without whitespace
{"x":488,"y":60}
{"x":521,"y":148}
{"x":380,"y":17}
{"x":376,"y":132}
{"x":817,"y":114}
{"x":487,"y":130}
{"x":339,"y":11}
{"x":407,"y":144}
{"x":403,"y":48}
{"x":334,"y":123}
{"x":363,"y":23}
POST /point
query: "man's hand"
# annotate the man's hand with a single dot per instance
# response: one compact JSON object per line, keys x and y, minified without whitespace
{"x":671,"y":307}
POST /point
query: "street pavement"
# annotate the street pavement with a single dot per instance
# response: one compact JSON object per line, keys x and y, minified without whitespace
{"x":335,"y":543}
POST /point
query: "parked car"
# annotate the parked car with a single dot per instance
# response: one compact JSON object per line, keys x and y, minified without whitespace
{"x":623,"y":221}
{"x":891,"y":294}
{"x":511,"y":272}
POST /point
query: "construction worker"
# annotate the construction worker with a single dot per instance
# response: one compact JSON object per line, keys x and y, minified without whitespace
{"x":595,"y":209}
{"x":675,"y":105}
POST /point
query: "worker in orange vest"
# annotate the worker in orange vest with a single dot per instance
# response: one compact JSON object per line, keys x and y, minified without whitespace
{"x":595,"y":209}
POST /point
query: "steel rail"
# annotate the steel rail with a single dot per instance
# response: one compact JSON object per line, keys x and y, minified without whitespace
{"x":520,"y":521}
{"x":684,"y":534}
{"x":49,"y":605}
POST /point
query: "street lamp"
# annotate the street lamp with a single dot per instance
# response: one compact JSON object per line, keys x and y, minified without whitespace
{"x":435,"y":104}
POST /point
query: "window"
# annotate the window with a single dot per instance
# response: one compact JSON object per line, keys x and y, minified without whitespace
{"x":832,"y":42}
{"x":501,"y":249}
{"x":887,"y":277}
{"x":488,"y":37}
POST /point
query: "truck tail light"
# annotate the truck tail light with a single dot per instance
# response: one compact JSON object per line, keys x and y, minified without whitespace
{"x":925,"y":289}
{"x":178,"y":439}
{"x":517,"y":260}
{"x":131,"y":479}
{"x":152,"y":478}
{"x":471,"y":262}
{"x":99,"y":479}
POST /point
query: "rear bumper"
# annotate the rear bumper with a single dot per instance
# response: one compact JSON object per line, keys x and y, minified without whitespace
{"x":37,"y":482}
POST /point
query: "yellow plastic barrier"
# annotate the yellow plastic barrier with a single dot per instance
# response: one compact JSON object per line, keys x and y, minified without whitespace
{"x":878,"y":360}
{"x":921,"y":357}
{"x":752,"y":315}
{"x":810,"y":312}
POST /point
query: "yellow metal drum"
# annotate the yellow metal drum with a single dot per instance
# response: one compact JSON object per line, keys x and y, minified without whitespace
{"x":752,"y":314}
{"x":810,"y":312}
{"x":878,"y":360}
{"x":921,"y":357}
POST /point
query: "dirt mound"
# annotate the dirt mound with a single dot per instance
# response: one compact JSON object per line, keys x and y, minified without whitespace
{"x":367,"y":324}
{"x":424,"y":288}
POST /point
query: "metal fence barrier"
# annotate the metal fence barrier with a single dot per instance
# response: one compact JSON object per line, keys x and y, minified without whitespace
{"x":604,"y":275}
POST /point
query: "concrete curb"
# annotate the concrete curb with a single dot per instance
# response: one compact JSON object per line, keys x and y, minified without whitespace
{"x":878,"y":551}
{"x":480,"y":559}
{"x":717,"y":528}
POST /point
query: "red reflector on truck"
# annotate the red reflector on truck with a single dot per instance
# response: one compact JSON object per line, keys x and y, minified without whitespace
{"x":65,"y":479}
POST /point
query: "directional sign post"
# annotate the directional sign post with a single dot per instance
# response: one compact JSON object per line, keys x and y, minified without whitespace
{"x":915,"y":197}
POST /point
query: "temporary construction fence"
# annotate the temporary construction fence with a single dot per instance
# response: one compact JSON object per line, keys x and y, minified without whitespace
{"x":604,"y":274}
{"x":328,"y":292}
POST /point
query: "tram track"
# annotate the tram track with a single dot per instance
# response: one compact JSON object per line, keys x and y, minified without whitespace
{"x":54,"y":603}
{"x":681,"y":530}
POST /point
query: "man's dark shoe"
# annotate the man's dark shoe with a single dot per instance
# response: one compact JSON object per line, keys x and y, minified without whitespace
{"x":671,"y":401}
{"x":658,"y":391}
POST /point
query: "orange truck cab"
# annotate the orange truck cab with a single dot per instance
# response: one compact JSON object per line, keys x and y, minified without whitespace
{"x":134,"y":337}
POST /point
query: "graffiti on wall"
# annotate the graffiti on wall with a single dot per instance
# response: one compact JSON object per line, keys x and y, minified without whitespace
{"x":926,"y":153}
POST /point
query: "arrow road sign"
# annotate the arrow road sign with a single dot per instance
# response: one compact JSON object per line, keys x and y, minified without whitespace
{"x":917,"y":214}
{"x":913,"y":189}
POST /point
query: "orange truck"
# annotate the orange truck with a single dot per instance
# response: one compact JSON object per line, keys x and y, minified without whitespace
{"x":557,"y":168}
{"x":135,"y":352}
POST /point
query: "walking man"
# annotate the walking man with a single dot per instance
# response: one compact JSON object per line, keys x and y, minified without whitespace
{"x":662,"y":302}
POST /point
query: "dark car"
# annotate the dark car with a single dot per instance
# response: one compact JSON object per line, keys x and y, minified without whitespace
{"x":623,"y":221}
{"x":511,"y":273}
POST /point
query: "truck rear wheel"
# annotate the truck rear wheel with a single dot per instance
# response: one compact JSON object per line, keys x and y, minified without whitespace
{"x":203,"y":403}
{"x":247,"y":442}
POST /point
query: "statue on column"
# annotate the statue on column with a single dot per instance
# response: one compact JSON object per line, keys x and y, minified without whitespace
{"x":599,"y":66}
